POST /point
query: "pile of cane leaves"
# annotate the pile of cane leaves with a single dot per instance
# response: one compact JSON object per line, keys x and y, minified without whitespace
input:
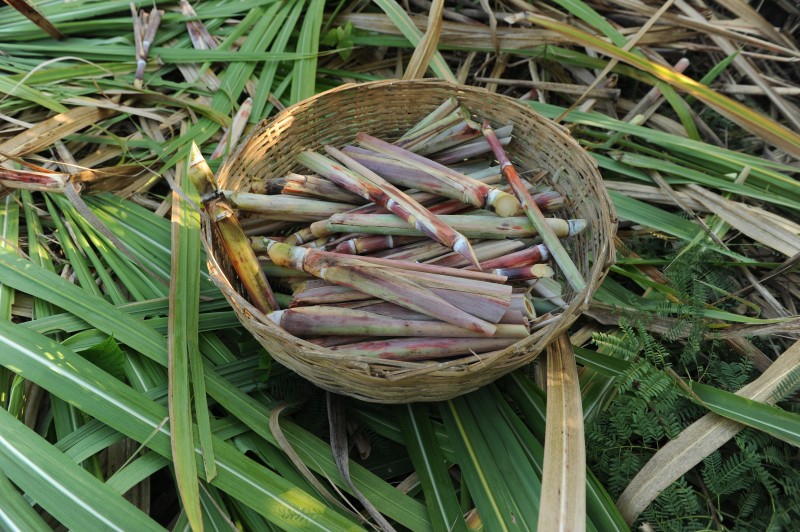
{"x":687,"y":356}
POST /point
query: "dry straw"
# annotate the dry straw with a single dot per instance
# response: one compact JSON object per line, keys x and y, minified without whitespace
{"x":387,"y":109}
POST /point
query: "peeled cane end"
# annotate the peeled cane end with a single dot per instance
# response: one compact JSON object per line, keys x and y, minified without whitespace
{"x":463,"y":248}
{"x":540,"y":271}
{"x":276,"y":317}
{"x":576,"y":226}
{"x":503,"y":203}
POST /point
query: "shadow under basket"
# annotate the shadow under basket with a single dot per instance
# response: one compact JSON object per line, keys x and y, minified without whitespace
{"x":386,"y":109}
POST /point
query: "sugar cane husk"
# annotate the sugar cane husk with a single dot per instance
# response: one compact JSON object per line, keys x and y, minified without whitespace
{"x":327,"y":321}
{"x":533,"y":213}
{"x":486,"y":250}
{"x":471,"y":148}
{"x":309,"y":186}
{"x":236,"y":245}
{"x":519,"y":273}
{"x":423,"y":348}
{"x":531,"y":255}
{"x":284,"y":207}
{"x":444,"y":109}
{"x":471,"y":226}
{"x":399,"y":203}
{"x":472,"y":191}
{"x":380,"y":282}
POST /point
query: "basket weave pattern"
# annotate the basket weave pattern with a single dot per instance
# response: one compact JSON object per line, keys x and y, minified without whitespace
{"x":386,"y":109}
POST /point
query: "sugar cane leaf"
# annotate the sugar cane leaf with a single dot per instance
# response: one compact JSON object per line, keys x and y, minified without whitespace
{"x":305,"y":70}
{"x":68,"y":492}
{"x":600,"y":508}
{"x":17,"y":513}
{"x":429,"y":464}
{"x":9,"y":231}
{"x":183,"y":343}
{"x":317,"y":455}
{"x":410,"y":31}
{"x":43,"y":361}
{"x":500,"y":479}
{"x":748,"y":119}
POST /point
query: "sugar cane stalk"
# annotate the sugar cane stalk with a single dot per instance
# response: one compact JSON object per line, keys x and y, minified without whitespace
{"x":289,"y":208}
{"x":536,"y":217}
{"x":326,"y":321}
{"x":309,"y":186}
{"x":424,"y":348}
{"x":471,"y":190}
{"x":369,"y":185}
{"x":380,"y":282}
{"x":471,"y":226}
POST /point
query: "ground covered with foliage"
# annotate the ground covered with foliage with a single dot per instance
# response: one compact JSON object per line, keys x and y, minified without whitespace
{"x":688,"y":355}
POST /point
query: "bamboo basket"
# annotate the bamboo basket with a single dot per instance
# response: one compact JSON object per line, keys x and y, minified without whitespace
{"x":386,"y":109}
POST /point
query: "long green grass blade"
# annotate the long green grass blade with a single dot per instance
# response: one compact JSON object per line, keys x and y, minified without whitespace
{"x":68,"y":492}
{"x":61,"y":371}
{"x":16,"y":514}
{"x":184,"y":292}
{"x":758,"y":124}
{"x":305,"y":70}
{"x":429,"y":464}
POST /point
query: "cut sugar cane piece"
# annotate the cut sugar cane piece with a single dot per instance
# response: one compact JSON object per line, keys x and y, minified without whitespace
{"x":327,"y":321}
{"x":471,"y":148}
{"x":423,"y":348}
{"x":234,"y":242}
{"x":393,"y":198}
{"x":488,"y":176}
{"x":369,"y":185}
{"x":536,"y":217}
{"x":380,"y":282}
{"x":444,"y":109}
{"x":519,"y":273}
{"x":281,"y":207}
{"x":370,"y":244}
{"x":532,"y":255}
{"x":308,"y":186}
{"x":396,"y":311}
{"x":471,"y":226}
{"x":488,"y":249}
{"x":472,"y":191}
{"x":420,"y":138}
{"x":262,"y":244}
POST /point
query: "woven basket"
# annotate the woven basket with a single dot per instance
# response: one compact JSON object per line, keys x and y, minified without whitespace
{"x":386,"y":109}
